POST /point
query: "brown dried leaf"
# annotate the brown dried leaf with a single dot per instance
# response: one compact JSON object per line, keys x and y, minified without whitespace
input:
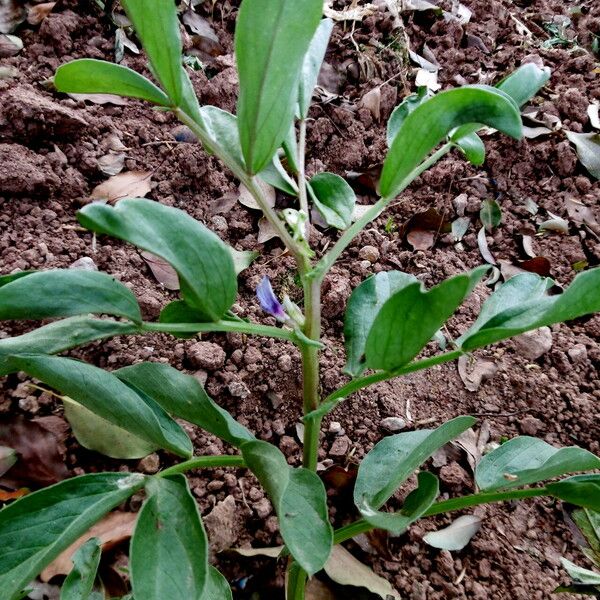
{"x":473,"y":443}
{"x":38,"y":12}
{"x":318,"y":590}
{"x":474,"y":372}
{"x":372,"y":101}
{"x":340,"y":478}
{"x":101,"y":99}
{"x":484,"y":248}
{"x":131,"y":184}
{"x":266,"y":231}
{"x":247,"y":199}
{"x":112,"y":163}
{"x":10,"y":45}
{"x":40,"y":454}
{"x":581,"y":214}
{"x":113,"y":529}
{"x":540,"y":265}
{"x":165,"y":274}
{"x":420,"y":239}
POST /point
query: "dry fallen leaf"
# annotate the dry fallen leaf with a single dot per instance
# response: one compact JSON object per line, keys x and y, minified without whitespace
{"x":474,"y":372}
{"x":131,"y":184}
{"x":8,"y":457}
{"x":473,"y":443}
{"x":10,"y":45}
{"x":428,"y":79}
{"x":206,"y":42}
{"x":39,"y":453}
{"x":38,"y":12}
{"x":420,"y":239}
{"x":113,"y":529}
{"x":581,"y":214}
{"x":12,"y":14}
{"x":456,"y":536}
{"x":6,"y":496}
{"x":272,"y":552}
{"x":266,"y":231}
{"x":318,"y":590}
{"x":101,"y":99}
{"x":223,"y":525}
{"x":484,"y":248}
{"x":165,"y":274}
{"x":247,"y":199}
{"x":350,"y":13}
{"x":372,"y":101}
{"x":112,"y":163}
{"x":555,"y":223}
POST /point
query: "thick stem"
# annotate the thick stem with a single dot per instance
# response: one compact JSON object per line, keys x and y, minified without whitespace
{"x":296,"y":581}
{"x":361,"y":526}
{"x":204,"y":462}
{"x":310,"y":371}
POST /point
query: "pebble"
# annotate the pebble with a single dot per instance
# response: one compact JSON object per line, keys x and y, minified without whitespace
{"x":284,"y":362}
{"x":533,"y":344}
{"x":206,"y":355}
{"x":340,"y":446}
{"x":530,"y":425}
{"x":369,"y":253}
{"x":460,"y":204}
{"x":238,"y":389}
{"x":149,"y":464}
{"x":335,"y":427}
{"x":393,"y":424}
{"x":85,"y":263}
{"x":262,"y":508}
{"x":29,"y":404}
{"x":578,"y":353}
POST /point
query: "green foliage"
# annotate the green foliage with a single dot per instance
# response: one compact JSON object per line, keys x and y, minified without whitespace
{"x":490,"y":214}
{"x":333,"y":198}
{"x":169,"y":543}
{"x":402,"y":111}
{"x":79,"y":583}
{"x":37,"y":528}
{"x":202,"y":261}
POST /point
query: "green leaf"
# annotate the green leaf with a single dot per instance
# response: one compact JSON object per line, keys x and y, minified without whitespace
{"x":79,"y":583}
{"x":364,"y":304}
{"x":415,"y":505}
{"x":524,"y":83}
{"x":274,"y":174}
{"x":588,"y":150}
{"x":428,"y":124}
{"x":334,"y":199}
{"x":412,"y":316}
{"x":4,"y":279}
{"x":60,"y":336}
{"x":311,"y":65}
{"x":242,"y":259}
{"x":202,"y":261}
{"x":523,"y":304}
{"x":37,"y":528}
{"x":396,"y":457}
{"x":158,"y":30}
{"x":525,"y":460}
{"x":579,"y":574}
{"x":300,"y":501}
{"x":472,"y":147}
{"x":169,"y":548}
{"x":183,"y":396}
{"x":581,"y":490}
{"x":43,"y":295}
{"x":97,"y":434}
{"x":107,"y":396}
{"x":290,"y":149}
{"x":490,"y":214}
{"x":91,"y":76}
{"x":402,"y":111}
{"x":217,"y":587}
{"x":588,"y":520}
{"x":221,"y":127}
{"x":270,"y":44}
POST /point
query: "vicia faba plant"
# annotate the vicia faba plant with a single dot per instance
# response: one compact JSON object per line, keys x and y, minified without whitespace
{"x":390,"y":318}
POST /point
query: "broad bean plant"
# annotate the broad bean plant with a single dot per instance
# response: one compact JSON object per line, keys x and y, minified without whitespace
{"x":390,"y":318}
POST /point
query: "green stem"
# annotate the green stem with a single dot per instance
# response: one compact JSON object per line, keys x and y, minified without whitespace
{"x":362,"y":382}
{"x":361,"y":526}
{"x":323,"y":266}
{"x":204,"y":462}
{"x":302,"y":195}
{"x":296,"y":581}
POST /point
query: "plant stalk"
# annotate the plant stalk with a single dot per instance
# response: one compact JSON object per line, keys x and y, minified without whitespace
{"x":361,"y":526}
{"x":203,"y":462}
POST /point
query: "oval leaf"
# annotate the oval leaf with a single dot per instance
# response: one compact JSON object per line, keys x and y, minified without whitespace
{"x":169,"y":548}
{"x":183,"y":396}
{"x":402,"y":111}
{"x":581,"y":490}
{"x":217,"y":587}
{"x":426,"y":126}
{"x":334,"y":199}
{"x":364,"y":304}
{"x":202,"y":261}
{"x":107,"y":396}
{"x":472,"y":147}
{"x":91,"y":76}
{"x":456,"y":536}
{"x":490,"y":214}
{"x":37,"y":528}
{"x":79,"y":583}
{"x":395,"y":458}
{"x":98,"y":434}
{"x":60,"y":336}
{"x":43,"y":295}
{"x":522,"y":304}
{"x":270,"y":45}
{"x":524,"y":83}
{"x":412,"y":316}
{"x":300,"y":501}
{"x":525,"y":460}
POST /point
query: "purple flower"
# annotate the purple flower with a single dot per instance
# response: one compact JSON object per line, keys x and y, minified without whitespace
{"x":269,"y":302}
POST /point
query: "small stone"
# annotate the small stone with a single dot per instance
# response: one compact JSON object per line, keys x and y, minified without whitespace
{"x":29,"y":404}
{"x":288,"y":445}
{"x":335,"y":427}
{"x":201,"y":375}
{"x":531,"y":426}
{"x":533,"y":344}
{"x":149,"y":464}
{"x":284,"y":362}
{"x":262,"y":508}
{"x":340,"y":446}
{"x":460,"y":204}
{"x":85,"y":263}
{"x":369,"y":253}
{"x":393,"y":424}
{"x":238,"y":389}
{"x":223,"y":525}
{"x":215,"y":486}
{"x":206,"y":355}
{"x":578,"y":353}
{"x":278,"y":427}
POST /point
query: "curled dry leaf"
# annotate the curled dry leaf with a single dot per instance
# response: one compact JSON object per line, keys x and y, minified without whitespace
{"x":581,"y":214}
{"x":456,"y":536}
{"x":10,"y":45}
{"x":40,"y":454}
{"x":484,"y":248}
{"x":100,"y":99}
{"x":587,"y":146}
{"x":112,"y":163}
{"x":474,"y":372}
{"x":555,"y":223}
{"x":247,"y":199}
{"x":206,"y":41}
{"x":372,"y":101}
{"x":38,"y":12}
{"x":131,"y":184}
{"x":421,"y":239}
{"x":113,"y":529}
{"x":266,"y":231}
{"x":593,"y":111}
{"x":354,"y":12}
{"x":165,"y":274}
{"x":473,"y":443}
{"x":527,"y":242}
{"x":8,"y":457}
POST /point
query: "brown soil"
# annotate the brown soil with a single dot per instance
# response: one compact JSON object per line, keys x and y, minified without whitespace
{"x":49,"y":148}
